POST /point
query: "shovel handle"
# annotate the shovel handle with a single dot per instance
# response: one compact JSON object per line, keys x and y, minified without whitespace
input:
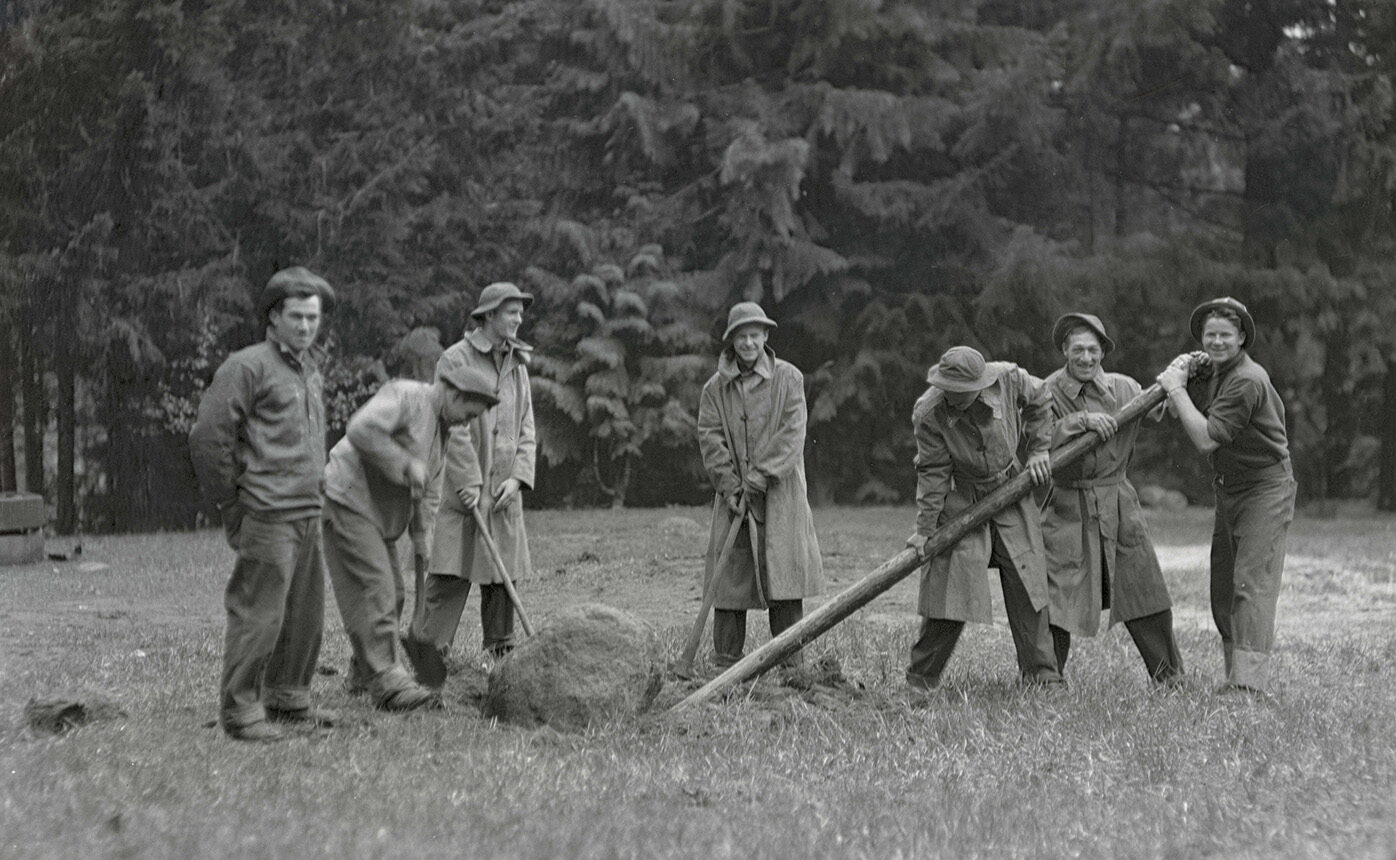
{"x":695,"y":636}
{"x":483,"y":531}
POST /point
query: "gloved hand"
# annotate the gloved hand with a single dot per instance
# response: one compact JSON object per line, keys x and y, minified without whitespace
{"x":918,"y":543}
{"x":469,"y":496}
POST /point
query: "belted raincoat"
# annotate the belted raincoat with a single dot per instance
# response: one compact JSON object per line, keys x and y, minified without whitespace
{"x":1093,"y":525}
{"x":961,"y":457}
{"x":757,"y":423}
{"x":505,"y":447}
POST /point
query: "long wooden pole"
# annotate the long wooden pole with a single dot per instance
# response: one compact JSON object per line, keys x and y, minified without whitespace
{"x":901,"y":565}
{"x":684,"y":668}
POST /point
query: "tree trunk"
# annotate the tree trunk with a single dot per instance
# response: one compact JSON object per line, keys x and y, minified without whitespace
{"x":64,"y":360}
{"x":35,"y":406}
{"x":1386,"y":470}
{"x":8,"y":482}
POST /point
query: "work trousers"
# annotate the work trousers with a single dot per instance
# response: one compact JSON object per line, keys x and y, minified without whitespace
{"x":445,"y":603}
{"x":368,"y":588}
{"x":1248,"y":555}
{"x":1032,"y":635}
{"x":275,"y":602}
{"x":729,"y":630}
{"x":1152,"y":635}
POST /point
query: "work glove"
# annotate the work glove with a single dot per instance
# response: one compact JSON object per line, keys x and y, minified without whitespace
{"x":918,"y":543}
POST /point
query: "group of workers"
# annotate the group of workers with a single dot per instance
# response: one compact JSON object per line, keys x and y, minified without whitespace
{"x":438,"y":460}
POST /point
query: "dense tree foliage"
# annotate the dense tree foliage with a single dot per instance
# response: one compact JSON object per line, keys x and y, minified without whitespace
{"x":889,"y":177}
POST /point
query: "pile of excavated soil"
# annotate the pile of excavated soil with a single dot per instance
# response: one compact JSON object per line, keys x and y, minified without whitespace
{"x":590,"y":663}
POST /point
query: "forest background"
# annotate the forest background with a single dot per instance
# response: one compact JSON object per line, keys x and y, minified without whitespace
{"x":888,"y":177}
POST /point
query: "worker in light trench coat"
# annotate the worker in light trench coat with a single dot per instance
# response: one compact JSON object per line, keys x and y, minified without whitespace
{"x":506,"y":449}
{"x":751,"y":432}
{"x":1099,"y":555}
{"x":968,"y":426}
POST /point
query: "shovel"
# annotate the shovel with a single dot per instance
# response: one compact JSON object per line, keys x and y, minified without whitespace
{"x":427,"y":663}
{"x":495,"y":557}
{"x":684,"y":667}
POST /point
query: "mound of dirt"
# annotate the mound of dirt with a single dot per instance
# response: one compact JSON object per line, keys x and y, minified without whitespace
{"x":58,"y":715}
{"x":590,"y":663}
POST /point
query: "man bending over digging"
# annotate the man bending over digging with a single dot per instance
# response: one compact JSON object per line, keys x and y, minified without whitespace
{"x":751,"y":431}
{"x":968,"y":425}
{"x":383,"y":478}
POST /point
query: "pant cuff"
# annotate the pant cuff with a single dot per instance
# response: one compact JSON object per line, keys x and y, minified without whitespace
{"x":1249,"y":669}
{"x":236,"y":718}
{"x":287,"y":699}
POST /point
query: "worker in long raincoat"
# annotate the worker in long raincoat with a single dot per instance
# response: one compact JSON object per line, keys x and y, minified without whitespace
{"x":1099,"y":555}
{"x":506,"y":449}
{"x":751,"y":431}
{"x":1235,"y":416}
{"x":968,"y":426}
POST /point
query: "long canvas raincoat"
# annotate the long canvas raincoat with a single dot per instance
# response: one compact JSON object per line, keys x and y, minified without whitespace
{"x":505,"y":447}
{"x":1093,"y":525}
{"x":758,"y":423}
{"x":961,"y":457}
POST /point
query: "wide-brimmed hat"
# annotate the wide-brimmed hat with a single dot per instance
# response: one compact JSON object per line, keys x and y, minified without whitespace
{"x":469,"y":380}
{"x":743,"y":313}
{"x":497,"y":294}
{"x":1066,"y":322}
{"x":962,"y":368}
{"x":295,"y":282}
{"x":1199,"y":313}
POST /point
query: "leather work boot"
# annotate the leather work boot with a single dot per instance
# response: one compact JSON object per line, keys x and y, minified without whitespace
{"x":319,"y":717}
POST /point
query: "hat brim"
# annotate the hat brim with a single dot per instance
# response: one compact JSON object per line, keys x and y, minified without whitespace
{"x":768,"y":323}
{"x":526,"y":298}
{"x":1200,"y":312}
{"x":1069,"y":321}
{"x":961,"y":386}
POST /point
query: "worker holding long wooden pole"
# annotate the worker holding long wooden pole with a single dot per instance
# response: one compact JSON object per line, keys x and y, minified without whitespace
{"x":968,"y":425}
{"x":897,"y":568}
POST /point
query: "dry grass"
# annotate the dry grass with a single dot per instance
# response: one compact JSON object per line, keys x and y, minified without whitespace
{"x":1108,"y":768}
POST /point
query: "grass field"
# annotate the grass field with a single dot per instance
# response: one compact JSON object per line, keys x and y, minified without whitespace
{"x":1106,"y":768}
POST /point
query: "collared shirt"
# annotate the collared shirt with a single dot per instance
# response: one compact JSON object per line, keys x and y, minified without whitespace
{"x":259,"y":438}
{"x":1245,"y":416}
{"x":979,"y":444}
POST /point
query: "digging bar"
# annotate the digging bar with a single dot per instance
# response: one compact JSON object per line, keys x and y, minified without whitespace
{"x":495,"y":557}
{"x":901,"y":565}
{"x":684,"y":668}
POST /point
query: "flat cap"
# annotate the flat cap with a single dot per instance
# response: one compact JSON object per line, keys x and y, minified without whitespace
{"x":469,"y":380}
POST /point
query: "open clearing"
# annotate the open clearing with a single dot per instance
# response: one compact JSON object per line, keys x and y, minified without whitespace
{"x":1107,"y":768}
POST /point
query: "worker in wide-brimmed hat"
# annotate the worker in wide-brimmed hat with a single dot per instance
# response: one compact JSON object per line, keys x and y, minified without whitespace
{"x":503,"y":442}
{"x":1099,"y":555}
{"x":384,"y":478}
{"x":969,"y":424}
{"x":751,"y":432}
{"x":258,"y":448}
{"x":1235,"y":416}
